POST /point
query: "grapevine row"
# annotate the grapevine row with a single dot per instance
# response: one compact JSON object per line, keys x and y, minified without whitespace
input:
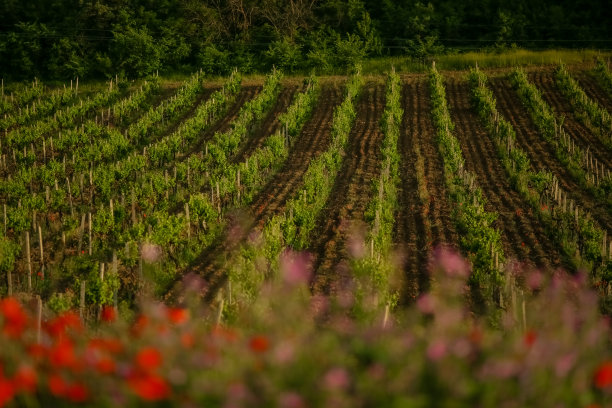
{"x":57,"y":99}
{"x":602,"y":72}
{"x":21,"y":97}
{"x":293,"y":228}
{"x":590,"y":112}
{"x":569,"y":225}
{"x":377,"y":267}
{"x":62,"y":119}
{"x":479,"y":238}
{"x":579,"y":162}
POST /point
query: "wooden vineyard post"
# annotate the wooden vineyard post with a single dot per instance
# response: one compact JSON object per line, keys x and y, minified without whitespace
{"x":5,"y":219}
{"x":29,"y":260}
{"x":101,"y":280}
{"x":188,"y":221}
{"x":238,"y":184}
{"x":42,"y":254}
{"x":90,"y":233}
{"x":218,"y":200}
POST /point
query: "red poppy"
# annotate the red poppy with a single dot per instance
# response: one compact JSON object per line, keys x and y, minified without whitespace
{"x":57,"y":385}
{"x":7,"y":391}
{"x":26,"y":379}
{"x":259,"y":344}
{"x":109,"y":314}
{"x":62,"y":355}
{"x":77,"y":393}
{"x":68,"y":320}
{"x":105,"y":365}
{"x":603,"y":375}
{"x":530,"y":338}
{"x":148,"y":359}
{"x":15,"y":319}
{"x":178,"y":315}
{"x":149,"y":387}
{"x":37,"y":351}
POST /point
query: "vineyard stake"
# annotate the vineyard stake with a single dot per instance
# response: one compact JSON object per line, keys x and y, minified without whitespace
{"x":4,"y":210}
{"x":188,"y":221}
{"x":42,"y":257}
{"x":90,"y":233}
{"x":29,"y":260}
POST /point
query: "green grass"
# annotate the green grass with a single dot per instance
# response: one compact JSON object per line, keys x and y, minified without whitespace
{"x":505,"y":59}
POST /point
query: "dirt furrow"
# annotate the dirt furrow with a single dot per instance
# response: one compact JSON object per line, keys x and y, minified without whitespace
{"x":591,"y":87}
{"x":350,"y":195}
{"x":558,"y":102}
{"x":311,"y":142}
{"x":223,"y":125}
{"x":523,"y":236}
{"x":269,"y":125}
{"x":204,"y":95}
{"x":424,"y":222}
{"x":541,"y":154}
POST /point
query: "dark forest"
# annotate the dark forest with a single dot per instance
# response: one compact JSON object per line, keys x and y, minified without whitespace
{"x":59,"y":39}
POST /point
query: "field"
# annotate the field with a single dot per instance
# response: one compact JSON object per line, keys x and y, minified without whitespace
{"x":365,"y":185}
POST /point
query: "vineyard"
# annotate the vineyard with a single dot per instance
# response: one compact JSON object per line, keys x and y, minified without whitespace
{"x":236,"y":199}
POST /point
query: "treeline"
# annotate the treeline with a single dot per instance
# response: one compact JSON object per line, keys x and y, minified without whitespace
{"x":98,"y":38}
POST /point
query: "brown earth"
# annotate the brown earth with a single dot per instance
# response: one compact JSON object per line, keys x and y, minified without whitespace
{"x":523,"y":236}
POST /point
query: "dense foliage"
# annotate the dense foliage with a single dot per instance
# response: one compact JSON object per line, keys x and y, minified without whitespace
{"x":279,"y":354}
{"x":68,"y":38}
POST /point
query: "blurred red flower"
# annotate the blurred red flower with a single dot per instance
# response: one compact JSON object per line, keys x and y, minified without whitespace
{"x":15,"y":319}
{"x":68,"y":320}
{"x":26,"y":379}
{"x":108,"y":314}
{"x":530,"y":338}
{"x":149,"y":387}
{"x":259,"y":344}
{"x":37,"y":351}
{"x":603,"y":375}
{"x":148,"y":359}
{"x":105,"y":365}
{"x":57,"y":385}
{"x":7,"y":391}
{"x":77,"y":392}
{"x":178,"y":315}
{"x":62,"y":355}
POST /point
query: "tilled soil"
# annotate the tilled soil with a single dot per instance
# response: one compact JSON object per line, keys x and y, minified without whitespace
{"x":593,"y":89}
{"x":269,"y":125}
{"x":583,"y":137}
{"x":423,"y":223}
{"x":541,"y":154}
{"x":523,"y":236}
{"x":350,"y":195}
